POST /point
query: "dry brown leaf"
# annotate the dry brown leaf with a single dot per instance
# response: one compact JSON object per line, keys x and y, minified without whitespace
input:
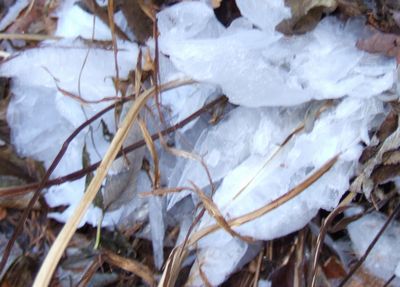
{"x":23,"y":168}
{"x":381,"y":159}
{"x":351,"y":8}
{"x":17,"y":201}
{"x":306,"y":14}
{"x":20,"y":273}
{"x":333,"y":268}
{"x":138,"y":21}
{"x":381,"y":43}
{"x":362,"y":278}
{"x":37,"y":19}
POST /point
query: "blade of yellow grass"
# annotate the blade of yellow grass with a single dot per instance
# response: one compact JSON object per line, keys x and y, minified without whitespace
{"x":173,"y":267}
{"x":50,"y":263}
{"x":153,"y":152}
{"x":213,"y":210}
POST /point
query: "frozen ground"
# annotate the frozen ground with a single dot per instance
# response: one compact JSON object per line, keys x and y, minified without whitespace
{"x":277,"y":84}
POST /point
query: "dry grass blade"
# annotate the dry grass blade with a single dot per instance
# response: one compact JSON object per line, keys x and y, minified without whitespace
{"x":27,"y":37}
{"x":203,"y":277}
{"x":148,"y":9}
{"x":130,"y":265}
{"x":173,"y":266}
{"x":153,"y":152}
{"x":29,"y":9}
{"x":191,"y":156}
{"x":258,"y":268}
{"x":323,"y":230}
{"x":213,"y":210}
{"x":50,"y":263}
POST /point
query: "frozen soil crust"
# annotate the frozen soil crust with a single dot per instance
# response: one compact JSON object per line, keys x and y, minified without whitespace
{"x":276,"y":84}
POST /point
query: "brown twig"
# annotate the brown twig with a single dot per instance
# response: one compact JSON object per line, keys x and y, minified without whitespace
{"x":320,"y":240}
{"x":90,"y":271}
{"x":21,"y":190}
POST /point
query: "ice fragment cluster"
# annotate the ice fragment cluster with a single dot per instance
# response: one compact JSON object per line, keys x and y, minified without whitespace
{"x":298,"y":102}
{"x":258,"y":67}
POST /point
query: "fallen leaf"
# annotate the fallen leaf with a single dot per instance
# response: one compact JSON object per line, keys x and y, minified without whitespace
{"x":351,"y":8}
{"x":380,"y":161}
{"x":382,"y":43}
{"x":26,"y":169}
{"x":306,"y":14}
{"x":333,"y":268}
{"x":39,"y":19}
{"x":21,"y":272}
{"x":138,"y":21}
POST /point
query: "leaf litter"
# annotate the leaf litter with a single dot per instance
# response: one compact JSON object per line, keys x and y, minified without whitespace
{"x":308,"y":128}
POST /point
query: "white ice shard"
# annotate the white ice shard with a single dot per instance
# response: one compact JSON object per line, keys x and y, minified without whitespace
{"x":263,"y":68}
{"x":189,"y":20}
{"x":41,"y":117}
{"x":225,"y":146}
{"x":75,"y":22}
{"x":264,"y":14}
